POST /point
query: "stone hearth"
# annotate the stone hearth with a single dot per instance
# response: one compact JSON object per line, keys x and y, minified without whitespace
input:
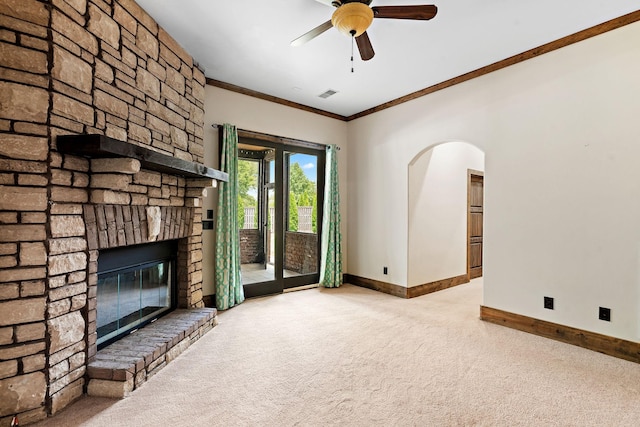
{"x":127,"y":364}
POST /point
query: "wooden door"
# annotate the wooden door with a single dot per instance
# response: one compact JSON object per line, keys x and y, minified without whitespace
{"x":474,"y":227}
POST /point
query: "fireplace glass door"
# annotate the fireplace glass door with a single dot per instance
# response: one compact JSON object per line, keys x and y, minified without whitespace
{"x":131,"y":295}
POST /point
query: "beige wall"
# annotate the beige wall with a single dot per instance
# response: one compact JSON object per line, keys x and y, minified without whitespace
{"x":562,"y":181}
{"x":223,"y":106}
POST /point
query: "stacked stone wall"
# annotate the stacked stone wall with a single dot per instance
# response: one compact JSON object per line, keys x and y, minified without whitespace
{"x":25,"y":63}
{"x":80,"y":67}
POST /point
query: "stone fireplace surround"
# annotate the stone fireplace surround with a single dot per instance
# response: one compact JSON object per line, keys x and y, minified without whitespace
{"x":81,"y":67}
{"x":111,"y":222}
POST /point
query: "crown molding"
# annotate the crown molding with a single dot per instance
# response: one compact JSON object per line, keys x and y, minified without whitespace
{"x":516,"y":59}
{"x":275,"y":99}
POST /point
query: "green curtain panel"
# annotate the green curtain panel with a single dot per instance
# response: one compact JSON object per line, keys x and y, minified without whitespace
{"x":331,"y":260}
{"x":229,"y":290}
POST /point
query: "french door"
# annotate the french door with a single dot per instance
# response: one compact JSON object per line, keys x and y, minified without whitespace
{"x":280,"y":214}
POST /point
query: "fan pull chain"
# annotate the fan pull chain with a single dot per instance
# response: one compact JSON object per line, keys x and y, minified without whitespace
{"x":352,"y":41}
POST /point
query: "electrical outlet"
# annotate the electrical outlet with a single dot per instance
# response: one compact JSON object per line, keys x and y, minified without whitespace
{"x":385,"y":270}
{"x":548,"y":303}
{"x":604,"y":314}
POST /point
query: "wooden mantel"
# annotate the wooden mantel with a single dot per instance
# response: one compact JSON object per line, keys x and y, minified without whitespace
{"x":101,"y":146}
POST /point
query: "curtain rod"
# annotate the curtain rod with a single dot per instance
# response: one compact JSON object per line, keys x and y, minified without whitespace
{"x":274,"y":138}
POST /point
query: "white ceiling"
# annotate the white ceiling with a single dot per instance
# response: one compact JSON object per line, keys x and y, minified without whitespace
{"x":246,"y":43}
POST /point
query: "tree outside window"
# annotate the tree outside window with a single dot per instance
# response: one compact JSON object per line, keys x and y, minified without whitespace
{"x":247,"y":191}
{"x":302,"y":197}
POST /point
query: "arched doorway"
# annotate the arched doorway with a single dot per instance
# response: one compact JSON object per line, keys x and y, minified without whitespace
{"x":439,"y":215}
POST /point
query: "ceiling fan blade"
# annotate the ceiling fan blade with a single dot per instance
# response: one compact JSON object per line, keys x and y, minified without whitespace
{"x":423,"y":12}
{"x":365,"y":47}
{"x":327,"y":2}
{"x":312,"y":34}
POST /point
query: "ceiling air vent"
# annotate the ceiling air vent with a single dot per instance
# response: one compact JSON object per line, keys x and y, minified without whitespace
{"x":328,"y":93}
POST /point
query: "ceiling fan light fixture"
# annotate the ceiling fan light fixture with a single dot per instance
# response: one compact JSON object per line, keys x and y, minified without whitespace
{"x":352,"y":19}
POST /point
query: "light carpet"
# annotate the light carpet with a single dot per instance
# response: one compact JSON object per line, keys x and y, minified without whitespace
{"x":354,"y":357}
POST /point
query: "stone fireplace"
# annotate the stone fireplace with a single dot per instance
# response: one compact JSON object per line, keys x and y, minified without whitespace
{"x":73,"y":74}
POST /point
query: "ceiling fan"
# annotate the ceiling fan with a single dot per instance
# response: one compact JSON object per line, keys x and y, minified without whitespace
{"x":353,"y":17}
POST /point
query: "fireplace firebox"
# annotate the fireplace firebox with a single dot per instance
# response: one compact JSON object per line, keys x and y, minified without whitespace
{"x":136,"y":285}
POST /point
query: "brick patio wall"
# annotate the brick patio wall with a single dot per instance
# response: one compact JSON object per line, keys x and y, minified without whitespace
{"x":301,"y":254}
{"x":251,"y":246}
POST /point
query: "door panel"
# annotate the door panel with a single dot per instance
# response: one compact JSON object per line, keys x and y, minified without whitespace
{"x":476,"y":256}
{"x":477,"y":191}
{"x":253,"y":248}
{"x":301,"y":234}
{"x":475,"y":227}
{"x":289,"y":177}
{"x":476,"y":223}
{"x":256,"y":194}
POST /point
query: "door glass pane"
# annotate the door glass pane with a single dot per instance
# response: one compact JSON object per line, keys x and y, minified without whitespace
{"x":270,"y":233}
{"x":254,"y":175}
{"x":247,"y":195}
{"x":301,"y":238}
{"x":271,"y":171}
